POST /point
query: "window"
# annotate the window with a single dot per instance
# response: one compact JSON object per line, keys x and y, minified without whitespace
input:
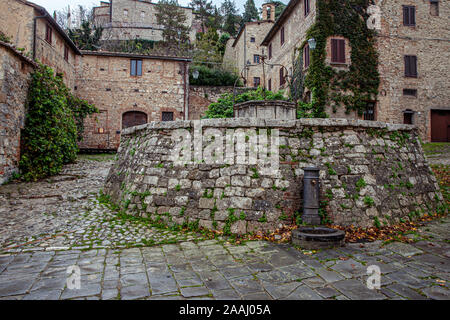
{"x":282,"y":35}
{"x":369,"y":113}
{"x":125,"y":12}
{"x":66,"y":53}
{"x":282,"y":77}
{"x":167,"y":116}
{"x":434,"y":7}
{"x":307,"y":7}
{"x":410,"y":92}
{"x":142,"y":14}
{"x":306,"y":55}
{"x":252,"y":39}
{"x":408,"y":116}
{"x":133,"y":118}
{"x":338,"y":50}
{"x":256,"y":58}
{"x":136,"y":68}
{"x":269,"y":85}
{"x":256,"y":82}
{"x":48,"y":34}
{"x":411,"y":66}
{"x":270,"y":51}
{"x":409,"y":15}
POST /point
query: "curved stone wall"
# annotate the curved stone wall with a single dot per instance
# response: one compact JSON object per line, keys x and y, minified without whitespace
{"x":370,"y":171}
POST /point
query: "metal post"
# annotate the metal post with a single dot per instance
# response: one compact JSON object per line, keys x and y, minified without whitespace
{"x":311,"y":192}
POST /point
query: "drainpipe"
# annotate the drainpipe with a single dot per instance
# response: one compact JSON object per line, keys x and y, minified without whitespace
{"x":186,"y":93}
{"x":35,"y":33}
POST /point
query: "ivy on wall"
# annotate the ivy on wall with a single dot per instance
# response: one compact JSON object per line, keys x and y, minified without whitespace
{"x":53,"y":124}
{"x":351,"y":88}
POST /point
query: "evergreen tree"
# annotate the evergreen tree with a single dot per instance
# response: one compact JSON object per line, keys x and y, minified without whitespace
{"x":203,"y":9}
{"x":86,"y":38}
{"x":230,"y":16}
{"x":173,"y":20}
{"x":250,"y":12}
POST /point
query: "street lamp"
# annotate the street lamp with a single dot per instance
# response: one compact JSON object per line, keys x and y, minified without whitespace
{"x":312,"y":43}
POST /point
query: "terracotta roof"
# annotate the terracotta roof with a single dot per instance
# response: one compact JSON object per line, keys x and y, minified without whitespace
{"x":280,"y":21}
{"x":52,"y":21}
{"x":18,"y":53}
{"x":133,"y":55}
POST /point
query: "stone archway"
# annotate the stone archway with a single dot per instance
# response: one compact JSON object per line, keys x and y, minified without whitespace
{"x":133,"y":118}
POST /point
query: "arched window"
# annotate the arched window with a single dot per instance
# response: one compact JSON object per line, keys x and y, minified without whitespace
{"x":133,"y":118}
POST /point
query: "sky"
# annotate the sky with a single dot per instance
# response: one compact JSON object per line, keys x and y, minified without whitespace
{"x":52,"y":5}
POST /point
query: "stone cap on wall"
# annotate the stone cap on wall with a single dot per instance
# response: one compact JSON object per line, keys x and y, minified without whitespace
{"x":266,"y":109}
{"x":264,"y":123}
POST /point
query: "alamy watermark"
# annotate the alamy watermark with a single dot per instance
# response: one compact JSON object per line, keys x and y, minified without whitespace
{"x":230,"y":147}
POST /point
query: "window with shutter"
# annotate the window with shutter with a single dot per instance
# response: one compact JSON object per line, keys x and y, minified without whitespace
{"x":282,"y":35}
{"x":256,"y":58}
{"x":411,"y":66}
{"x":66,"y":53}
{"x":48,"y":34}
{"x":434,"y":7}
{"x":269,"y":85}
{"x":270,"y":51}
{"x":338,"y":50}
{"x":256,"y":82}
{"x":282,"y":78}
{"x":136,"y":68}
{"x":409,"y":16}
{"x":307,"y":7}
{"x":306,"y":55}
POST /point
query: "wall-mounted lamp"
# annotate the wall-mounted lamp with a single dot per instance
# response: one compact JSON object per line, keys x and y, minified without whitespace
{"x":312,"y":43}
{"x":195,"y":74}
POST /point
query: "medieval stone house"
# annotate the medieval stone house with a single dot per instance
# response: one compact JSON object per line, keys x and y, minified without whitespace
{"x":413,"y":46}
{"x":134,"y":19}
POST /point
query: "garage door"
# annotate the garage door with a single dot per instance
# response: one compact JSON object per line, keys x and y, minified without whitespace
{"x":440,"y":125}
{"x":133,"y":118}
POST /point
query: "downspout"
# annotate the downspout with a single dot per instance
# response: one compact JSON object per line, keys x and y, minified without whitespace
{"x":35,"y":33}
{"x":186,"y":93}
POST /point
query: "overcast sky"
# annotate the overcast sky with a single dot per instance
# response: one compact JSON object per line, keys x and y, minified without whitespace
{"x":52,"y":5}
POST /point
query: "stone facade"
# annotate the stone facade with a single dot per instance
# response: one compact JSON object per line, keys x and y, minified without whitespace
{"x":272,"y":109}
{"x":429,"y":41}
{"x":104,"y":80}
{"x":132,"y":19}
{"x":368,"y":171}
{"x":18,"y":19}
{"x":15,"y":70}
{"x":245,"y":48}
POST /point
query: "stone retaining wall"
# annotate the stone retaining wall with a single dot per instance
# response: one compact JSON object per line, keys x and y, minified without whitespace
{"x":370,"y":172}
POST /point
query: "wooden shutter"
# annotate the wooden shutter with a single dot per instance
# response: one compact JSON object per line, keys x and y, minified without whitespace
{"x":306,"y":50}
{"x":410,"y":66}
{"x":133,"y":68}
{"x":282,"y":35}
{"x":409,"y":15}
{"x":281,"y":76}
{"x":338,"y":50}
{"x":270,"y":51}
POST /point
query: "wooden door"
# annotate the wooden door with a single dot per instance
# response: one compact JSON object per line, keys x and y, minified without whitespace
{"x":133,"y":118}
{"x":440,"y":125}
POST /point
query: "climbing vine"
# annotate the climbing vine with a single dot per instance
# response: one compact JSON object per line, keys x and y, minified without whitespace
{"x":351,"y":88}
{"x":49,"y":139}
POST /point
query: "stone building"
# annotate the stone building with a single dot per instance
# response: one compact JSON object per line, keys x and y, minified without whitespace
{"x":130,"y":90}
{"x":15,"y":70}
{"x":32,"y":29}
{"x":134,"y":19}
{"x":246,"y":48}
{"x":413,"y":45}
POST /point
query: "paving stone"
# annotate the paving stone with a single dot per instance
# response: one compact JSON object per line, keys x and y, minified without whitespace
{"x":194,"y":292}
{"x":280,"y":291}
{"x":134,"y":292}
{"x":406,"y":279}
{"x":161,"y":285}
{"x":303,"y":292}
{"x":437,"y":293}
{"x":15,"y":287}
{"x":405,"y":292}
{"x":84,"y":291}
{"x":43,"y":294}
{"x":403,"y":249}
{"x":110,"y":294}
{"x":227,"y":294}
{"x":327,"y":292}
{"x":246,"y":285}
{"x":133,"y":279}
{"x":355,"y":289}
{"x":235,"y":272}
{"x":327,"y":275}
{"x":257,"y":296}
{"x":349,"y":268}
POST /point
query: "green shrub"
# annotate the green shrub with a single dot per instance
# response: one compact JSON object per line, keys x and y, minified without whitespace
{"x":50,"y":136}
{"x":223,"y":108}
{"x":213,"y":77}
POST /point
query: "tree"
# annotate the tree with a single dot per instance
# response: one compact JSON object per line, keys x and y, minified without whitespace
{"x":279,"y":8}
{"x":86,"y":37}
{"x":203,"y":10}
{"x":230,"y":16}
{"x":173,"y":21}
{"x":207,"y":48}
{"x":250,"y":12}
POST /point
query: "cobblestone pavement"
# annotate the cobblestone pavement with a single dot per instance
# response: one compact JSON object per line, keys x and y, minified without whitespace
{"x":50,"y":227}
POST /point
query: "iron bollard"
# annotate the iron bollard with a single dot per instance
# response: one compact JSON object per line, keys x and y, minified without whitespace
{"x":311,"y":193}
